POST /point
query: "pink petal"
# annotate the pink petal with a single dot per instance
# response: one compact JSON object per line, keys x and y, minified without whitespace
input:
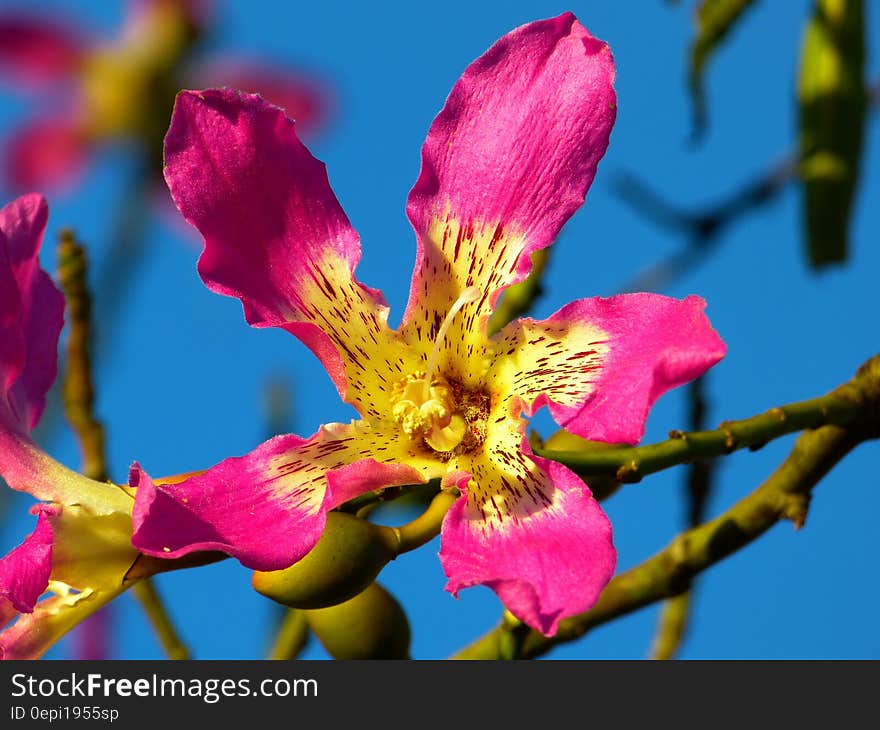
{"x":267,"y":508}
{"x":303,"y":98}
{"x":46,"y":152}
{"x":195,"y":13}
{"x":24,"y":572}
{"x":26,"y":467}
{"x":37,"y":50}
{"x":506,"y":162}
{"x":90,"y":555}
{"x":618,"y":356}
{"x":547,"y":553}
{"x":275,"y":235}
{"x":31,"y":315}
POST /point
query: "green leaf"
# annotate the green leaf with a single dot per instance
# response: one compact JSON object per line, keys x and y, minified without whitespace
{"x":713,"y":19}
{"x":832,"y":103}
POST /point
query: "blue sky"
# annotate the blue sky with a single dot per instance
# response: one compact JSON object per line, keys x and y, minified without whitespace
{"x":180,"y":385}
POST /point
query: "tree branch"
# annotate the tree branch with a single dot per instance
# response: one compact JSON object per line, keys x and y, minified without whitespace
{"x":843,"y":407}
{"x":292,"y":636}
{"x":150,"y":600}
{"x":78,"y":393}
{"x":78,"y":397}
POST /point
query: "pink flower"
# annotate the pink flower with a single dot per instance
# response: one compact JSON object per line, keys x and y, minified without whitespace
{"x":505,"y":164}
{"x":123,"y":90}
{"x":80,"y":549}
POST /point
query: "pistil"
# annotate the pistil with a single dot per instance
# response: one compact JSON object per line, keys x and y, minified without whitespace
{"x":471,"y":294}
{"x":425,"y":405}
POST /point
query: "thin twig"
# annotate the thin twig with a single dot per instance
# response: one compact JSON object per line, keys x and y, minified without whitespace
{"x":703,"y":227}
{"x":150,"y":600}
{"x":292,"y":637}
{"x":78,"y":394}
{"x":840,"y":407}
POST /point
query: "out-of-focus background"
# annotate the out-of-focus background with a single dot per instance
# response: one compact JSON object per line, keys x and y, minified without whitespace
{"x":182,"y":380}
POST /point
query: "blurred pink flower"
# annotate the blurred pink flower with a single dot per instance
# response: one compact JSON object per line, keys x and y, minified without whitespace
{"x":122,"y":91}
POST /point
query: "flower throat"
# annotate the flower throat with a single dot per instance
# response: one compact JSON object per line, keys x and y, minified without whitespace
{"x":430,"y":407}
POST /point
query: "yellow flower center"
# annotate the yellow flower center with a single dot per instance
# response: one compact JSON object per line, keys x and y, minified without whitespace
{"x":428,"y":406}
{"x":426,"y":409}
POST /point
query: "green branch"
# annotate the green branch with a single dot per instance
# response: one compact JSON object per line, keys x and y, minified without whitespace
{"x":78,"y":395}
{"x":426,"y":526}
{"x":844,"y":406}
{"x":150,"y":600}
{"x":784,"y":495}
{"x":292,"y":636}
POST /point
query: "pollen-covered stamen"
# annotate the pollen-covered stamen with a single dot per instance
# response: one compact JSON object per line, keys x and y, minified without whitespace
{"x":424,"y":403}
{"x":428,"y":415}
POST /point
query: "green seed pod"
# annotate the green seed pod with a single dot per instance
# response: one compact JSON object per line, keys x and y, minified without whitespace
{"x":601,"y":485}
{"x":832,"y":102}
{"x":346,"y":559}
{"x":372,"y":625}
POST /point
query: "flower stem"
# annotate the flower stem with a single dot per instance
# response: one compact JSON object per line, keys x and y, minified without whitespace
{"x":784,"y":495}
{"x":149,"y":598}
{"x":426,"y":526}
{"x":292,"y":636}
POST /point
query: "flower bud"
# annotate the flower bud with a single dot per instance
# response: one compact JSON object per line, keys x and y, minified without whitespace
{"x":372,"y":625}
{"x":346,"y":559}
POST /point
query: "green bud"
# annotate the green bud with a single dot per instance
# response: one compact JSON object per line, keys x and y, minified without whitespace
{"x":601,"y":485}
{"x":372,"y":625}
{"x":346,"y":559}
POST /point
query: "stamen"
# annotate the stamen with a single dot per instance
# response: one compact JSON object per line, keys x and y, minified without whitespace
{"x":471,"y":294}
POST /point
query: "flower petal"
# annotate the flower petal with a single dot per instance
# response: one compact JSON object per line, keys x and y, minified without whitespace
{"x":92,"y":551}
{"x":268,"y":508}
{"x":601,"y":364}
{"x":530,"y":530}
{"x":33,"y":634}
{"x":31,"y":314}
{"x":90,"y":556}
{"x":46,"y":152}
{"x":505,"y":164}
{"x":277,"y":238}
{"x":37,"y":50}
{"x":24,"y":572}
{"x":28,"y":468}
